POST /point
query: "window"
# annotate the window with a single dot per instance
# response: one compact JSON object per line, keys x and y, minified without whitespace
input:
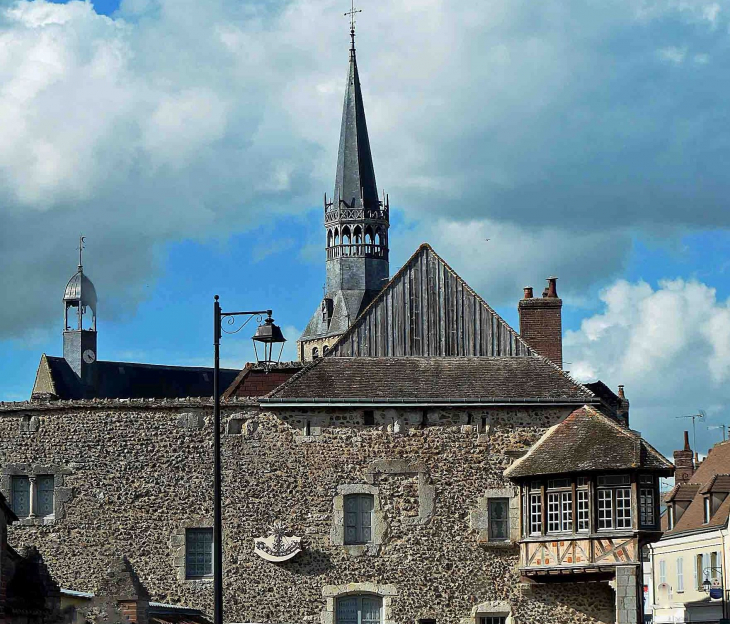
{"x":663,"y":572}
{"x":670,"y":516}
{"x":358,"y":518}
{"x":315,"y":353}
{"x":21,"y":496}
{"x":427,"y":621}
{"x":493,"y":619}
{"x":368,"y":418}
{"x":707,"y":510}
{"x":614,"y":502}
{"x":498,"y":516}
{"x":560,"y":506}
{"x":198,"y":553}
{"x":535,"y":510}
{"x":45,"y":495}
{"x":582,"y":509}
{"x":680,"y":574}
{"x":646,"y":501}
{"x":359,"y":610}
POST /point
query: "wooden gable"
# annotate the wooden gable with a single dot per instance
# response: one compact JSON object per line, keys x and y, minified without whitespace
{"x":428,"y":310}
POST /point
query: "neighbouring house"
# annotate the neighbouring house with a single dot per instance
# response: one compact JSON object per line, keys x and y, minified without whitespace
{"x":692,"y":556}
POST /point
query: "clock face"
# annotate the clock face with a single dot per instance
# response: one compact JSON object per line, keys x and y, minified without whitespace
{"x":89,"y":356}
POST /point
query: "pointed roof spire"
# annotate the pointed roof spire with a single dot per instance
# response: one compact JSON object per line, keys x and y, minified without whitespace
{"x":355,"y":178}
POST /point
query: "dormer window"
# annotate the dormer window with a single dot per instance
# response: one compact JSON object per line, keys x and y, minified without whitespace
{"x":708,"y":510}
{"x":670,"y":516}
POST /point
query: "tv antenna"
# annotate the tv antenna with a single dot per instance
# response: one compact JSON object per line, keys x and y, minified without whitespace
{"x":700,"y":415}
{"x":724,"y":430}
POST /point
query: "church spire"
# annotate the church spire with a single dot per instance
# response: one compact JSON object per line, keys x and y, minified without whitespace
{"x":355,"y":178}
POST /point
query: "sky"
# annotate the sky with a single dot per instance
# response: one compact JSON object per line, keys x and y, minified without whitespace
{"x":191,"y":143}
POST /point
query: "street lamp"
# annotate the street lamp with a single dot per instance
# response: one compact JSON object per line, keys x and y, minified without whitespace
{"x":716,"y":572}
{"x":268,"y":334}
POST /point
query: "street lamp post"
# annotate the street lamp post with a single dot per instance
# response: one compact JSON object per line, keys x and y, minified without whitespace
{"x":268,"y":334}
{"x":715,"y":571}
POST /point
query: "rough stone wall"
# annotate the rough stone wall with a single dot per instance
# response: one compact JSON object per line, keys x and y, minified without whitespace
{"x":139,"y":474}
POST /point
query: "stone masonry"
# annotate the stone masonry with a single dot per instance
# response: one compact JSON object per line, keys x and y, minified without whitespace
{"x":134,"y":474}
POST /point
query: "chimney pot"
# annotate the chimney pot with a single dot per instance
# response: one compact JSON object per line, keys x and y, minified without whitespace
{"x":686,"y":441}
{"x":552,"y":290}
{"x":621,"y":394}
{"x":528,"y":292}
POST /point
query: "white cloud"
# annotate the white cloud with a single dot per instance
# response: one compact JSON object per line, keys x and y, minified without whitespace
{"x":669,"y":345}
{"x":673,"y":54}
{"x":529,"y":120}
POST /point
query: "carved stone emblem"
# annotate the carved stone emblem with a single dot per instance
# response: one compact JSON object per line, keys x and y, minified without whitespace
{"x":278,"y":546}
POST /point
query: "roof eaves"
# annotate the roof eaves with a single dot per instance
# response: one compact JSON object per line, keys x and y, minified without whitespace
{"x":286,"y":401}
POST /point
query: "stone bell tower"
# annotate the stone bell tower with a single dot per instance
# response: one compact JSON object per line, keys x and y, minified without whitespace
{"x":356,"y":225}
{"x":79,"y":325}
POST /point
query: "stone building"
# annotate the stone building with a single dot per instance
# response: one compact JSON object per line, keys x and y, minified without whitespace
{"x":364,"y":487}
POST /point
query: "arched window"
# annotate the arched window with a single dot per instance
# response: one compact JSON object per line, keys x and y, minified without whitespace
{"x":315,"y":353}
{"x":346,"y":235}
{"x":369,"y":235}
{"x":337,"y":236}
{"x":381,"y":238}
{"x":325,"y":350}
{"x":357,"y":235}
{"x":359,"y":609}
{"x":329,"y":238}
{"x":359,"y":518}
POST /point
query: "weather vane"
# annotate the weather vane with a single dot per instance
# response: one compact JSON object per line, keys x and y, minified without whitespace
{"x":82,"y":239}
{"x":352,"y":13}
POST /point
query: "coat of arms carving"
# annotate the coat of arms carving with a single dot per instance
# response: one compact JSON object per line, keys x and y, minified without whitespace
{"x":278,"y":546}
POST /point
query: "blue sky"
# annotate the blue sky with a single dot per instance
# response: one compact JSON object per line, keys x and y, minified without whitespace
{"x":192,"y":143}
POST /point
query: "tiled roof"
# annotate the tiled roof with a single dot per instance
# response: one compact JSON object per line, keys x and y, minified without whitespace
{"x":259,"y":379}
{"x":587,"y":440}
{"x":129,"y":380}
{"x":432,"y":378}
{"x":712,"y":475}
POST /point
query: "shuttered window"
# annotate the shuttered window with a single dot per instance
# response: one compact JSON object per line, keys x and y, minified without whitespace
{"x":358,"y":518}
{"x":45,"y":495}
{"x":498,"y":519}
{"x":21,"y":496}
{"x":359,"y":610}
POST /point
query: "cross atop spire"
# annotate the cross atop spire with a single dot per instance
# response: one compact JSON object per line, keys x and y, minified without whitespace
{"x":82,"y":240}
{"x":352,"y":13}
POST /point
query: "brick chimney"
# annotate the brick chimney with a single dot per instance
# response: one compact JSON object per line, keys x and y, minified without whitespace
{"x":622,"y":412}
{"x":541,"y":324}
{"x":684,"y":465}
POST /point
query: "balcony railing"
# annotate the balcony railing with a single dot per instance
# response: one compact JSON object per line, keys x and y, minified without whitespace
{"x":334,"y":215}
{"x":357,"y":250}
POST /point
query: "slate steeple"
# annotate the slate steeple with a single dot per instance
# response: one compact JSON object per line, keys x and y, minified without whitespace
{"x":356,"y":225}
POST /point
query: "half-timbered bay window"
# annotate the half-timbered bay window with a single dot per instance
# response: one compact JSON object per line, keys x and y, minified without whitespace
{"x":614,"y":502}
{"x":582,"y":511}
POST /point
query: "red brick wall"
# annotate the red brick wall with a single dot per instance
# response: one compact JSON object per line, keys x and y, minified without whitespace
{"x":541,"y":326}
{"x":259,"y":383}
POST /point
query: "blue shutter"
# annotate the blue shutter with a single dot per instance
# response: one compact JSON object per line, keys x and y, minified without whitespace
{"x":45,"y":495}
{"x":347,"y":610}
{"x":21,"y":496}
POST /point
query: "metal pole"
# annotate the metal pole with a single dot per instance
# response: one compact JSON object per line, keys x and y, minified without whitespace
{"x":217,"y":523}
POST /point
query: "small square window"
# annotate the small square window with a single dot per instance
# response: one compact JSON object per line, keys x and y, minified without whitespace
{"x":368,"y":418}
{"x":498,"y":519}
{"x":198,"y":553}
{"x":427,"y":621}
{"x":493,"y":619}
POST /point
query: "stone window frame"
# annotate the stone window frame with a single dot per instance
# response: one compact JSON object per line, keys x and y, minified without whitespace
{"x":61,"y":494}
{"x":491,"y":608}
{"x":332,"y":592}
{"x":479,"y":517}
{"x":178,"y":546}
{"x":379,"y":525}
